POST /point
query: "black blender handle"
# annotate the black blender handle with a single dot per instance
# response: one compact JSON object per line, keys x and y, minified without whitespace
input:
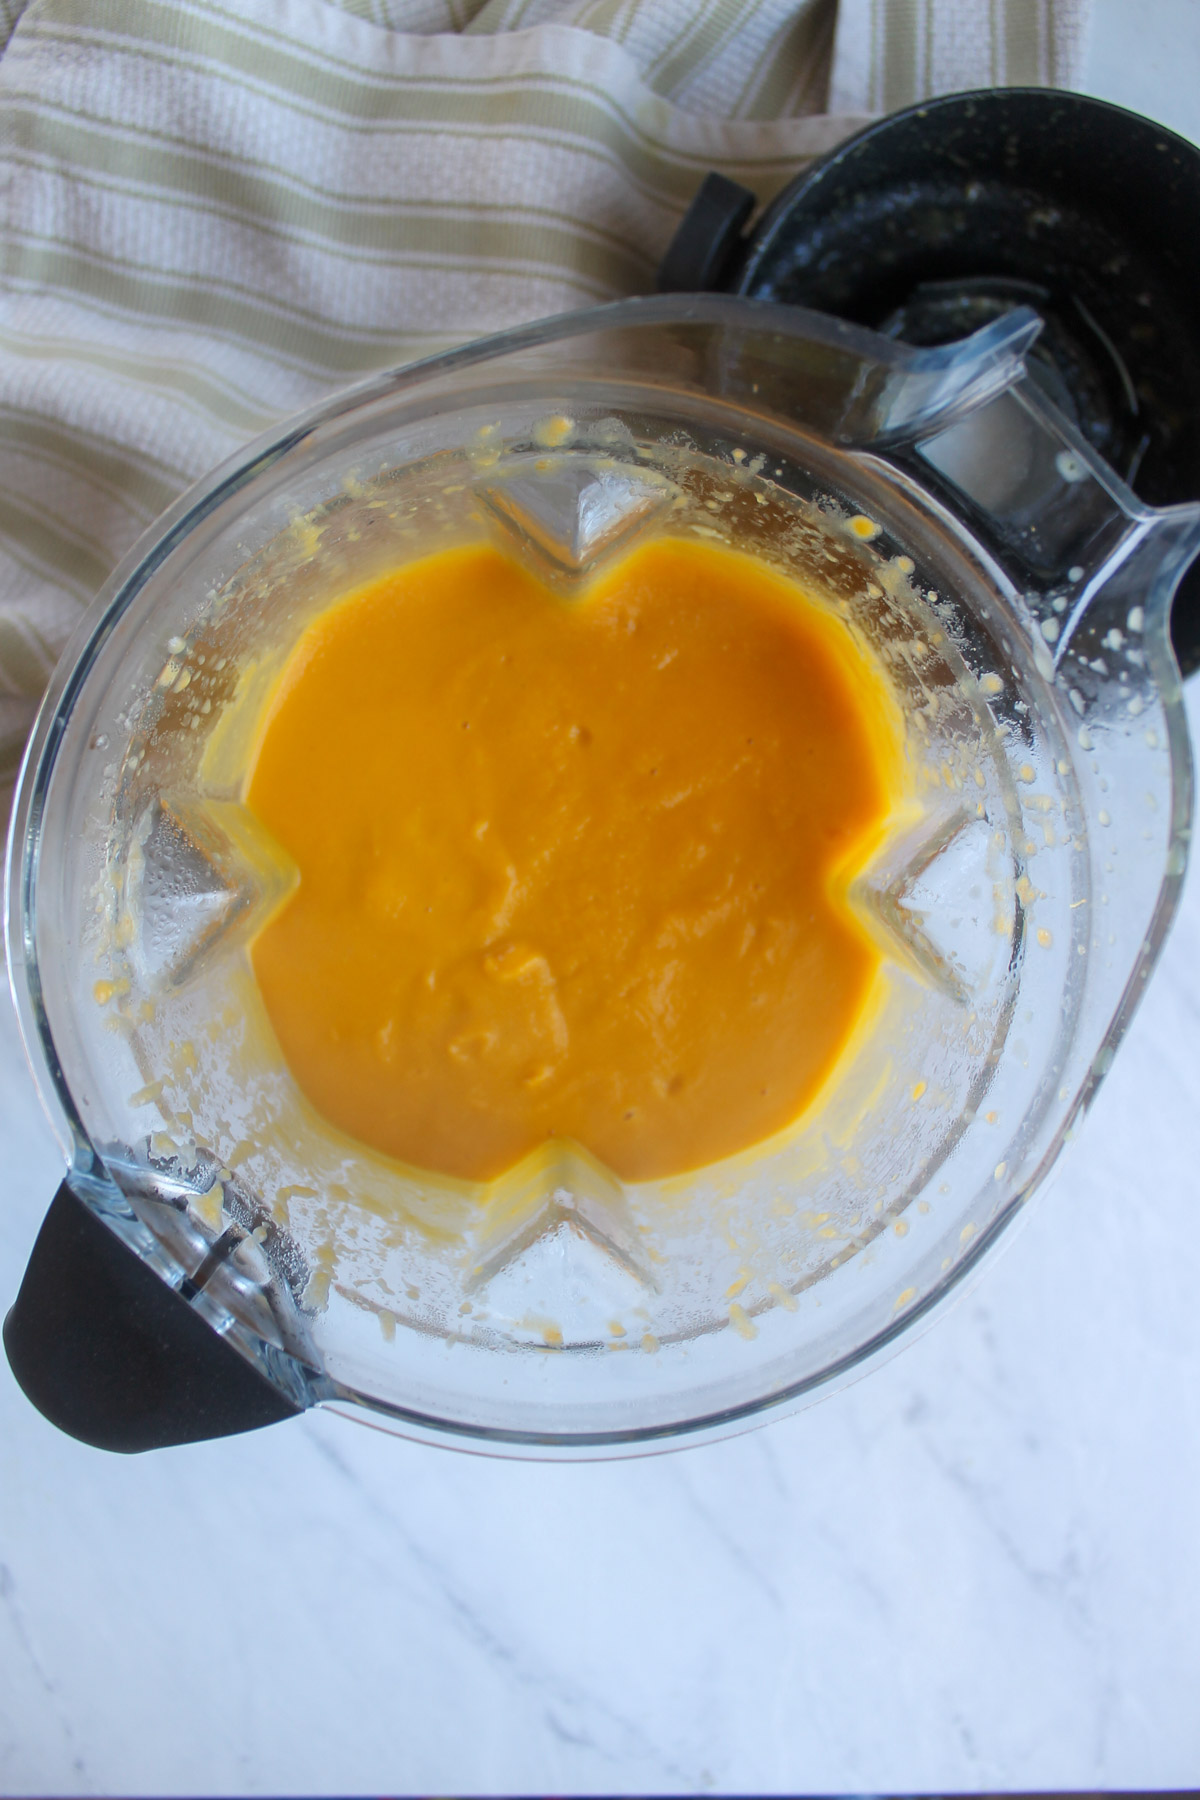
{"x":708,"y":238}
{"x":1185,"y":623}
{"x":918,"y":225}
{"x":116,"y":1358}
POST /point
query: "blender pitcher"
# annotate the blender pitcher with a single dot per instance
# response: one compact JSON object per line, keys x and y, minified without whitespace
{"x":1017,"y":594}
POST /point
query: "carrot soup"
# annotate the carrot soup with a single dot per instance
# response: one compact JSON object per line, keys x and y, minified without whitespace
{"x":572,"y":867}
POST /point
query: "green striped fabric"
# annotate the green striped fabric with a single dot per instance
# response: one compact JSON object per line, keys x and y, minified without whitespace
{"x":217,"y":211}
{"x":891,"y":53}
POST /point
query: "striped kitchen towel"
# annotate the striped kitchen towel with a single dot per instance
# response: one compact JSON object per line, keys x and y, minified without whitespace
{"x":216,"y":211}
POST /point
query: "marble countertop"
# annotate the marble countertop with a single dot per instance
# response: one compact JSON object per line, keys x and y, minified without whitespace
{"x":977,"y":1569}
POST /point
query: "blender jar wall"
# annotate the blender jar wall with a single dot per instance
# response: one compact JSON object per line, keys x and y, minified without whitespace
{"x":840,"y":1234}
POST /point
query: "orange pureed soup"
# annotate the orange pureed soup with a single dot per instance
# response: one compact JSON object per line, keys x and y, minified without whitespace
{"x":572,"y":867}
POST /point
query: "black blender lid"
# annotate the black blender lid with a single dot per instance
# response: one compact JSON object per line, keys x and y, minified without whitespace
{"x":938,"y":219}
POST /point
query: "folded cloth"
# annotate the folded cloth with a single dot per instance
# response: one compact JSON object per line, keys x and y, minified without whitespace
{"x":216,"y":211}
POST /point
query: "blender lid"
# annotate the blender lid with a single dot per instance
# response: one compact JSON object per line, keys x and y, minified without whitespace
{"x":938,"y":219}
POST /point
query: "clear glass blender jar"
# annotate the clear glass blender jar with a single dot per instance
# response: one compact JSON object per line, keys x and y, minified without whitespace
{"x":1017,"y":594}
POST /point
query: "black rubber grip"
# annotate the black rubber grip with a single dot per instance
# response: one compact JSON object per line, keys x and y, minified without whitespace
{"x":113,"y":1356}
{"x":708,"y":239}
{"x":1185,"y":621}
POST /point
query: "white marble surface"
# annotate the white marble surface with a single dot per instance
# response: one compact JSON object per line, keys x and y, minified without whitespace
{"x":977,"y":1569}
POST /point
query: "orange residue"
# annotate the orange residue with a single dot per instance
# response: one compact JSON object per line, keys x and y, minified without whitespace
{"x":571,"y":867}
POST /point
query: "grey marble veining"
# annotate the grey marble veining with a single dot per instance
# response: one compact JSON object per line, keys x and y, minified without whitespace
{"x":976,"y":1568}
